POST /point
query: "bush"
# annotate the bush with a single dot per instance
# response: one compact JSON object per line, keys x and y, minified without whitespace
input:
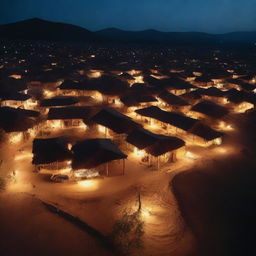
{"x":127,"y":233}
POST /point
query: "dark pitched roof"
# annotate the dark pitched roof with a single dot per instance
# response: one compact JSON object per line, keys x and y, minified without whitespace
{"x":213,"y":91}
{"x":135,"y":100}
{"x":154,"y":144}
{"x":172,"y":99}
{"x":205,"y":132}
{"x":50,"y":150}
{"x":93,"y":152}
{"x":196,"y":95}
{"x":115,"y":121}
{"x":173,"y":118}
{"x":235,"y":96}
{"x":11,"y":85}
{"x":16,"y":119}
{"x":85,"y":84}
{"x":14,"y":96}
{"x":59,"y":101}
{"x":111,"y":85}
{"x":243,"y":85}
{"x":210,"y":108}
{"x":84,"y":112}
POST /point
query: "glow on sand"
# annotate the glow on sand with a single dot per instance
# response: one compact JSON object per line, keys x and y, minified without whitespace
{"x":24,"y":155}
{"x":88,"y":184}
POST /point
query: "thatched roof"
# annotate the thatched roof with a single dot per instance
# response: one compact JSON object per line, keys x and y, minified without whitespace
{"x":154,"y":144}
{"x":235,"y":96}
{"x":211,"y":109}
{"x":205,"y":132}
{"x":84,"y":112}
{"x":16,"y":119}
{"x":172,"y":118}
{"x":50,"y":150}
{"x":94,"y":152}
{"x":59,"y":101}
{"x":194,"y":95}
{"x":115,"y":121}
{"x":213,"y":91}
{"x":135,"y":100}
{"x":11,"y":85}
{"x":172,"y":99}
{"x":15,"y":96}
{"x":111,"y":85}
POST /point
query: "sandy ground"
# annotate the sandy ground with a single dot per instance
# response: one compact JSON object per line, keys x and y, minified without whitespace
{"x":218,"y":202}
{"x":28,"y":229}
{"x":103,"y":202}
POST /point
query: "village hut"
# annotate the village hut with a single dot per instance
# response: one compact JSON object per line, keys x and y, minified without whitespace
{"x":172,"y":101}
{"x":15,"y":99}
{"x":171,"y":121}
{"x":155,"y":148}
{"x":73,"y":116}
{"x":205,"y":134}
{"x":51,"y":153}
{"x":19,"y":123}
{"x":114,"y":122}
{"x":96,"y":153}
{"x":210,"y":109}
{"x":59,"y":101}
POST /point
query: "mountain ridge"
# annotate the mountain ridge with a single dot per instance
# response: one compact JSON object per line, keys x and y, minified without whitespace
{"x":39,"y":29}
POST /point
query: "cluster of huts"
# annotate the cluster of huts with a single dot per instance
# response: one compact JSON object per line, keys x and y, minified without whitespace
{"x":85,"y":114}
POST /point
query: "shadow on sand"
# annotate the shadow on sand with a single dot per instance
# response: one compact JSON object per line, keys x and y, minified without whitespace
{"x":219,"y":205}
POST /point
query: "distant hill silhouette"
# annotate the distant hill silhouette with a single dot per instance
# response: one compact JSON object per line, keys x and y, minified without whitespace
{"x":188,"y":38}
{"x":155,"y":36}
{"x":38,"y":29}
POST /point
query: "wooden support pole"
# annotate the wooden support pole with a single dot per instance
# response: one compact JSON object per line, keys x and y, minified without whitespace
{"x":107,"y":171}
{"x":123,"y":166}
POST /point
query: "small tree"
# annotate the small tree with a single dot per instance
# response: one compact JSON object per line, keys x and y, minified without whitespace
{"x":127,"y":232}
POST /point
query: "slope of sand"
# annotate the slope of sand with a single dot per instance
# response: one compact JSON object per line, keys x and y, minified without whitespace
{"x":27,"y":228}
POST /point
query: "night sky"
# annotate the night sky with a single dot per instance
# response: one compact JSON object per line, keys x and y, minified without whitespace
{"x":214,"y":16}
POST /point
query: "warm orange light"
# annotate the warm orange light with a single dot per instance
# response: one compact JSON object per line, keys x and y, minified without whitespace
{"x":138,"y":152}
{"x":15,"y":76}
{"x":190,"y":155}
{"x":146,"y":212}
{"x":94,"y":74}
{"x":241,"y":108}
{"x":23,"y":156}
{"x":15,"y":138}
{"x":88,"y":184}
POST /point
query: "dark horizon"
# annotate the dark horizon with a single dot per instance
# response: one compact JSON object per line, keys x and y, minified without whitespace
{"x":214,"y":17}
{"x":127,"y":30}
